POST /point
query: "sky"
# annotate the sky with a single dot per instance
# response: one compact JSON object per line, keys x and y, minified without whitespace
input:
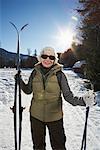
{"x":50,"y":23}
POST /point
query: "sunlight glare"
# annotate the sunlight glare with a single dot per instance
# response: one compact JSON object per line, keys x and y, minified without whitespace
{"x":64,"y":38}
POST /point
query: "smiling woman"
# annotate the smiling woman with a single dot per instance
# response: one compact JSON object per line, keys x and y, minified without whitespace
{"x":64,"y":38}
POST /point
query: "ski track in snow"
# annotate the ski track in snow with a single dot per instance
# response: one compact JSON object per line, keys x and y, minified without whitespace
{"x":74,"y":117}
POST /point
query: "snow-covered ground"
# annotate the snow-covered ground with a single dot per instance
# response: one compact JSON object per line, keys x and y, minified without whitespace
{"x":74,"y":117}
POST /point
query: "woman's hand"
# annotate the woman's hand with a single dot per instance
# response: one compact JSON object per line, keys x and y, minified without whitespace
{"x":17,"y":76}
{"x":89,"y":99}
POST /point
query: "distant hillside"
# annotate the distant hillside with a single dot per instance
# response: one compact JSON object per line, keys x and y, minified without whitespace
{"x":8,"y":59}
{"x":10,"y":55}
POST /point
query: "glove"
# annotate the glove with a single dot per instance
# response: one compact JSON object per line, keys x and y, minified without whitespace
{"x":18,"y":78}
{"x":89,"y":98}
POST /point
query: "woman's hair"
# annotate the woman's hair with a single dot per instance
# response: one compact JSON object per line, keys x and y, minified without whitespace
{"x":51,"y":52}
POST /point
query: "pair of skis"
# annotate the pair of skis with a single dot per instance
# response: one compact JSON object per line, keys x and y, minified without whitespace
{"x":17,"y":108}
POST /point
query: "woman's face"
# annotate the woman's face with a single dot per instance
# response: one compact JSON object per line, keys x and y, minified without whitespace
{"x":47,"y":59}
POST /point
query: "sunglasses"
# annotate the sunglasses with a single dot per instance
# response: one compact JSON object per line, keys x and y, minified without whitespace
{"x":46,"y":56}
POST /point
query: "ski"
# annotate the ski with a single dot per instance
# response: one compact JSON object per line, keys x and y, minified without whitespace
{"x":17,"y":108}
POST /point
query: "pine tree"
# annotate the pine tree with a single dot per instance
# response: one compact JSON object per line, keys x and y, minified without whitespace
{"x":90,"y":32}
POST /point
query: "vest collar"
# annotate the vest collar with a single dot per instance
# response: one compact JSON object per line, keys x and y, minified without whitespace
{"x":56,"y":67}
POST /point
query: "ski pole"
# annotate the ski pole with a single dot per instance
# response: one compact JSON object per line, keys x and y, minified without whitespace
{"x":83,"y":145}
{"x":85,"y":130}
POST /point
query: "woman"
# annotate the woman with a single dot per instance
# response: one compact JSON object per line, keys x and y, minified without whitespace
{"x":46,"y":105}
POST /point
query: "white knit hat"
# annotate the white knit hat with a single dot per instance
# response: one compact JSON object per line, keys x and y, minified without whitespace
{"x":49,"y":50}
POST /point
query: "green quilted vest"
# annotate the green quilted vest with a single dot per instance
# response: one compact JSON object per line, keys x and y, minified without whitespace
{"x":46,"y":102}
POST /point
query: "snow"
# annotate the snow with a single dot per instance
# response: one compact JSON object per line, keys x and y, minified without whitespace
{"x":78,"y":64}
{"x":74,"y":117}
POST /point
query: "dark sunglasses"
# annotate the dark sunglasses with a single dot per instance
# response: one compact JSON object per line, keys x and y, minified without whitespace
{"x":46,"y":56}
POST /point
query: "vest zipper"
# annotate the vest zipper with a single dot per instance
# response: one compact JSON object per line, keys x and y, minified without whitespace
{"x":44,"y":114}
{"x":43,"y":77}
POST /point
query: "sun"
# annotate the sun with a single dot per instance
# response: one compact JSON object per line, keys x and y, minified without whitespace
{"x":64,"y":38}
